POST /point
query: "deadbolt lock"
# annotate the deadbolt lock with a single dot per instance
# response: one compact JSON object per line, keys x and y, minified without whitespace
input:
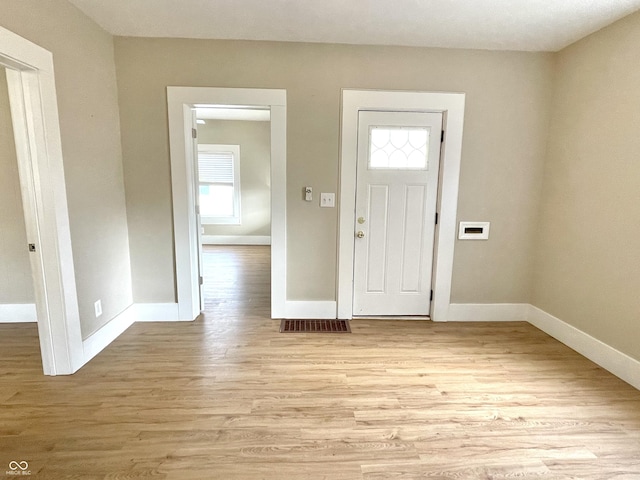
{"x":361,"y":220}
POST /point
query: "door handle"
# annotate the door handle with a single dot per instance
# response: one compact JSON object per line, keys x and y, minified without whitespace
{"x":360,"y":234}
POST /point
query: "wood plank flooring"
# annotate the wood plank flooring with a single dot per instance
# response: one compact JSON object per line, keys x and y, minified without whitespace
{"x":228,"y":397}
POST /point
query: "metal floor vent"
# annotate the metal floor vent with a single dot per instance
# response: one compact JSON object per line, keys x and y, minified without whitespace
{"x":315,"y":326}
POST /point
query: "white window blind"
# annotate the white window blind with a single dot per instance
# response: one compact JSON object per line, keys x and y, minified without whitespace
{"x":216,"y":167}
{"x":219,"y":184}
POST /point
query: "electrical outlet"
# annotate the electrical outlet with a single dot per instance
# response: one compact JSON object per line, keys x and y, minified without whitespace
{"x":98,"y":308}
{"x":328,"y":200}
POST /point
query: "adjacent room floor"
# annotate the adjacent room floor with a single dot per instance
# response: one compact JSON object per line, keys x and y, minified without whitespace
{"x":228,"y":397}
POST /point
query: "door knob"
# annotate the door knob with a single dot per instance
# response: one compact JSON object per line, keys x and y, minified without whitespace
{"x":360,"y":234}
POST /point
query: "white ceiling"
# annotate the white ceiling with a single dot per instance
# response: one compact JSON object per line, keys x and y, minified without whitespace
{"x":534,"y":25}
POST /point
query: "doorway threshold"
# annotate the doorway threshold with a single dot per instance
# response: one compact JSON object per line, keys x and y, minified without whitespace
{"x":391,"y":317}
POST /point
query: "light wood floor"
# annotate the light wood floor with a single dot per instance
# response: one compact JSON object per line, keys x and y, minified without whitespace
{"x":228,"y":397}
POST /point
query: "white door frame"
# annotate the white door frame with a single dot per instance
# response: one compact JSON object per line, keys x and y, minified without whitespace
{"x":34,"y":112}
{"x":452,"y":107}
{"x":180,"y":102}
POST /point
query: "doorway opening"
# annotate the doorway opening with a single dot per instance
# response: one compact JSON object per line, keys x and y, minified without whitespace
{"x":183,"y":128}
{"x":36,"y":130}
{"x":451,"y":108}
{"x":17,"y":297}
{"x":233,"y":165}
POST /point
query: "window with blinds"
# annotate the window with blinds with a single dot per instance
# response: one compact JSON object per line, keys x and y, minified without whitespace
{"x":219,"y":182}
{"x":216,"y":167}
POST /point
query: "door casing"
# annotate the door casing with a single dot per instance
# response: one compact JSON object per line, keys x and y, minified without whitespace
{"x":452,"y":107}
{"x":180,"y":101}
{"x":34,"y":112}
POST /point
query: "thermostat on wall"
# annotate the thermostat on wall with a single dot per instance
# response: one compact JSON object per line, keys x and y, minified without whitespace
{"x":474,"y":230}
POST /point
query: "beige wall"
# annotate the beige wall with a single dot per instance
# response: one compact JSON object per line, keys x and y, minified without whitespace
{"x":255,"y":170}
{"x":89,"y":122}
{"x":572,"y":250}
{"x":506,"y":121}
{"x":589,"y":245}
{"x":16,"y":285}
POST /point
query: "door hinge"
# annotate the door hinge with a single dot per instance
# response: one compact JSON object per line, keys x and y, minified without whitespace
{"x":436,"y":218}
{"x":431,"y":296}
{"x":442,"y":136}
{"x":201,"y":280}
{"x":194,"y":133}
{"x":197,"y":209}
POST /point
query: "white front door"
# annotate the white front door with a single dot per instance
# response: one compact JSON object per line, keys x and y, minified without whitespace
{"x":396,"y":192}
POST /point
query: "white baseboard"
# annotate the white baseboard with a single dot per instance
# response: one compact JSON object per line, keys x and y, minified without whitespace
{"x":616,"y":362}
{"x":142,"y":312}
{"x":488,"y":312}
{"x":310,"y":309}
{"x":18,"y":313}
{"x":157,"y":312}
{"x":236,"y":240}
{"x":139,"y":312}
{"x":100,"y":339}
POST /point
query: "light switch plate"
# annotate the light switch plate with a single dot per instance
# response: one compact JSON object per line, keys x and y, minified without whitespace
{"x":328,"y":200}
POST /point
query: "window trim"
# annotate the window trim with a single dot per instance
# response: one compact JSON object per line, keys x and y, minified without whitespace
{"x":236,"y":219}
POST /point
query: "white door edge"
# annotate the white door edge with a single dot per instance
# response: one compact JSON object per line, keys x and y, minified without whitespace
{"x":452,"y":107}
{"x":196,"y":197}
{"x":180,"y":100}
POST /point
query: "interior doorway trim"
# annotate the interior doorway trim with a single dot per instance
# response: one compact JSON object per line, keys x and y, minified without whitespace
{"x":180,"y":102}
{"x":34,"y":112}
{"x":452,"y":107}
